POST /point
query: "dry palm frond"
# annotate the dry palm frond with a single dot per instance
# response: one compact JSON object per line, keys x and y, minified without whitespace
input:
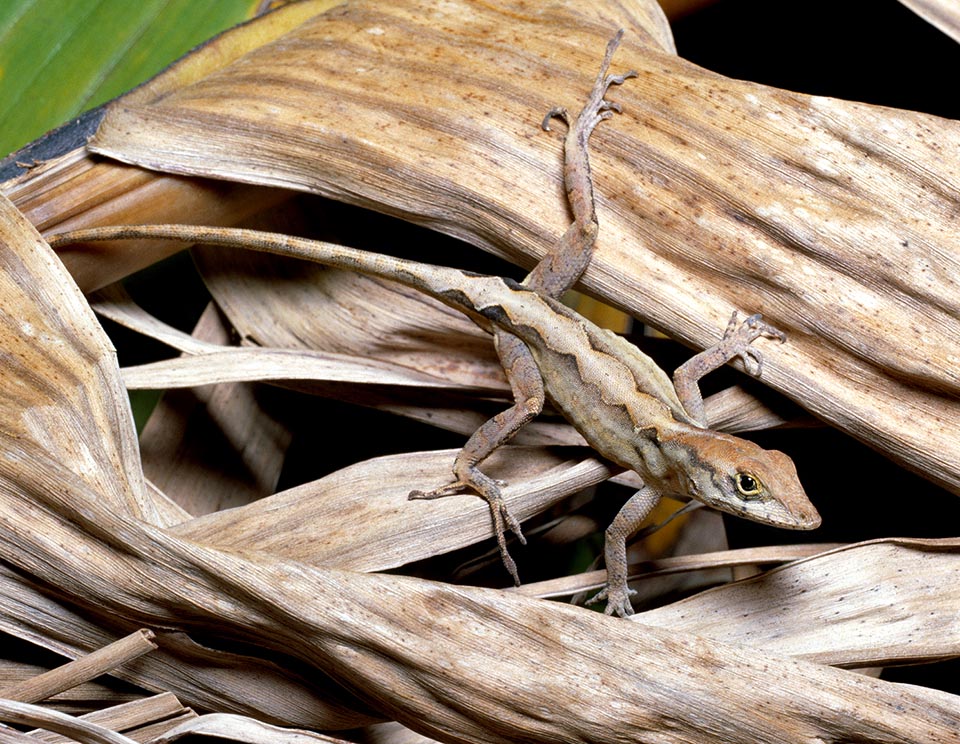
{"x":943,"y":14}
{"x":433,"y":656}
{"x":833,"y":219}
{"x":713,"y":194}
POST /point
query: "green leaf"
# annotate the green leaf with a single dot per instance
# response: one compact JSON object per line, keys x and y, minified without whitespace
{"x":61,"y":57}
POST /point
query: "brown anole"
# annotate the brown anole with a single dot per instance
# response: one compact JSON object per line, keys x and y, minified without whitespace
{"x":625,"y":406}
{"x":553,"y":275}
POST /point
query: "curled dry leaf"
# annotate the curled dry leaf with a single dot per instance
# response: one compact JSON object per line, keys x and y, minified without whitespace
{"x":202,"y":677}
{"x":74,"y":403}
{"x":681,"y":563}
{"x":359,"y":517}
{"x":137,"y":719}
{"x":242,"y":729}
{"x":213,"y":447}
{"x":886,"y":602}
{"x":833,"y":219}
{"x":76,"y":729}
{"x":114,"y":303}
{"x":94,"y":664}
{"x":73,"y":190}
{"x":242,"y":364}
{"x":943,"y":14}
{"x":456,"y":663}
{"x":287,"y":304}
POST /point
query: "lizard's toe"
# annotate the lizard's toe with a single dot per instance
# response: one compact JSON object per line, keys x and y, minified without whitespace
{"x":618,"y":600}
{"x":457,"y":486}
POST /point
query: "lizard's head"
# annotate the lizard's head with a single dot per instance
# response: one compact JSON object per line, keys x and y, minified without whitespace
{"x":739,"y":477}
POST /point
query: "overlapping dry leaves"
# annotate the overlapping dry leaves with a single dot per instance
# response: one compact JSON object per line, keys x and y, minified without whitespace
{"x":836,"y":220}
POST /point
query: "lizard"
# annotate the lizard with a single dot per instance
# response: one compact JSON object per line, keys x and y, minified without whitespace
{"x":621,"y":402}
{"x":558,"y":271}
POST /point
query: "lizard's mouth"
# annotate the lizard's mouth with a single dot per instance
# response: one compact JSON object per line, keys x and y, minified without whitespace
{"x":777,"y":516}
{"x":767,"y":510}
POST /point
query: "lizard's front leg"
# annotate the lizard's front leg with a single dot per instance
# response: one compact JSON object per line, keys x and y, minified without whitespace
{"x":625,"y":524}
{"x":735,"y":343}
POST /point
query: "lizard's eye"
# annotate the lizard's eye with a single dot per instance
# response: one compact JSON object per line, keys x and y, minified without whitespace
{"x":748,"y":485}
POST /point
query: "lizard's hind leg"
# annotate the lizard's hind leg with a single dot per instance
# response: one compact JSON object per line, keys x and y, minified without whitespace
{"x":527,"y":386}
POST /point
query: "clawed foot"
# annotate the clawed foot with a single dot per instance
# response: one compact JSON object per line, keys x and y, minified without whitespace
{"x":618,"y":599}
{"x":488,"y":489}
{"x":738,"y":340}
{"x":596,"y":109}
{"x":735,"y":344}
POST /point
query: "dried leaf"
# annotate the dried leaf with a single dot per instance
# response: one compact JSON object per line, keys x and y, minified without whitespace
{"x":288,"y":305}
{"x":360,"y":518}
{"x":96,"y":663}
{"x":943,"y":14}
{"x":76,"y":729}
{"x":829,"y":217}
{"x":567,"y":585}
{"x":454,"y":679}
{"x":239,"y":365}
{"x":212,"y":363}
{"x":243,"y":729}
{"x":75,"y":190}
{"x":202,"y":677}
{"x":59,"y":385}
{"x":885,"y":602}
{"x":84,"y":698}
{"x":129,"y":718}
{"x":379,"y":634}
{"x":216,"y":447}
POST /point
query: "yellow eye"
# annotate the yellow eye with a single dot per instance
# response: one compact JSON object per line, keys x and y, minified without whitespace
{"x":748,"y":485}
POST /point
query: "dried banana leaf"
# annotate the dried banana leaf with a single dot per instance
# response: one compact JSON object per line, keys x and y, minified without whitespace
{"x":73,"y":728}
{"x":62,"y":392}
{"x":242,"y":729}
{"x":944,"y":14}
{"x":133,"y":719}
{"x":75,"y":403}
{"x":203,"y":677}
{"x":651,"y":569}
{"x":215,"y":447}
{"x":455,"y":663}
{"x":287,"y":305}
{"x":886,"y":602}
{"x":459,"y":664}
{"x":76,"y":190}
{"x":359,"y":517}
{"x":834,"y":219}
{"x":569,"y":674}
{"x":84,"y":669}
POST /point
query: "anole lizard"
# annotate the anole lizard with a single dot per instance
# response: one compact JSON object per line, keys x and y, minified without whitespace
{"x":617,"y":398}
{"x":555,"y":273}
